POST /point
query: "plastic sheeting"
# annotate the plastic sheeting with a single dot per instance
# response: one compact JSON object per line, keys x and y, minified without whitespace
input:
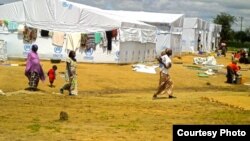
{"x":61,"y":15}
{"x":13,"y":12}
{"x":175,"y":20}
{"x":64,"y":16}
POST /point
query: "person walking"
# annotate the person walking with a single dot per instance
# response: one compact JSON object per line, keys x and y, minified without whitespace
{"x":165,"y":82}
{"x":52,"y":75}
{"x":70,"y":75}
{"x":34,"y":70}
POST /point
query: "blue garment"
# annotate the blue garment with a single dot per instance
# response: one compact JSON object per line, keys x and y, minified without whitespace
{"x":12,"y":26}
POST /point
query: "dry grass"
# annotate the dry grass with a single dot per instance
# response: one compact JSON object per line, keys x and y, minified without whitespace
{"x":114,"y":104}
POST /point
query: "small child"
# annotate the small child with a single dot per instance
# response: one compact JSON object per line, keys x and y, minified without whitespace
{"x":159,"y":59}
{"x":52,"y":75}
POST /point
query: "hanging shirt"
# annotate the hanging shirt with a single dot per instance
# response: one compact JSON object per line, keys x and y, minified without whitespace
{"x":109,"y":38}
{"x":98,"y":37}
{"x":84,"y":38}
{"x":58,"y":38}
{"x":44,"y":33}
{"x":12,"y":26}
{"x":73,"y":41}
{"x":29,"y":34}
{"x":91,"y":41}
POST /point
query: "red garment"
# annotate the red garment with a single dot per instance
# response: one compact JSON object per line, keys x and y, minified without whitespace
{"x":237,"y":55}
{"x":114,"y":33}
{"x":52,"y":75}
{"x":234,"y":67}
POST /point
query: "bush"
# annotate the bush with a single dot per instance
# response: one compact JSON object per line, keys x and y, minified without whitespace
{"x":233,"y":45}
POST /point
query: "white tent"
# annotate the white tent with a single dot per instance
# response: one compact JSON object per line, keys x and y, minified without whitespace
{"x":136,"y":38}
{"x":204,"y":36}
{"x":168,"y":27}
{"x":13,"y":11}
{"x":193,"y":28}
{"x":214,"y":36}
{"x":207,"y":32}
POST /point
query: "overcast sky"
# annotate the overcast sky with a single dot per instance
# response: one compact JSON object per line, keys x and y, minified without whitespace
{"x":205,"y":9}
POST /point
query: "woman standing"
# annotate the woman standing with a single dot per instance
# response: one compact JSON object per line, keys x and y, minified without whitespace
{"x":70,"y":75}
{"x":34,"y":70}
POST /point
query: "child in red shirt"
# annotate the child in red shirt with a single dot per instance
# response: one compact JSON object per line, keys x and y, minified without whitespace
{"x":232,"y":72}
{"x":52,"y":75}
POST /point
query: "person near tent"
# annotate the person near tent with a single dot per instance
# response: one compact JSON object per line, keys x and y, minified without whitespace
{"x":200,"y":48}
{"x":34,"y":70}
{"x":52,"y":75}
{"x":223,"y":48}
{"x":70,"y":75}
{"x":232,"y":72}
{"x":165,"y":82}
{"x":161,"y":64}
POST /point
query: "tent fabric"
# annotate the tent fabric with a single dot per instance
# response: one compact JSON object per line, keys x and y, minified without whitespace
{"x":61,"y":15}
{"x":193,"y":28}
{"x":13,"y":12}
{"x":169,"y":27}
{"x":86,"y":19}
{"x":70,"y":17}
{"x":151,"y":17}
{"x":191,"y":22}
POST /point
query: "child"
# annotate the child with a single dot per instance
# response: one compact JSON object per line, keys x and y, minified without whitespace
{"x":159,"y":59}
{"x":52,"y":75}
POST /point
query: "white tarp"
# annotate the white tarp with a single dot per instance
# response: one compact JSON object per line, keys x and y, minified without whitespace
{"x":151,"y":17}
{"x":144,"y":69}
{"x":210,"y":60}
{"x":13,"y":12}
{"x":61,"y":15}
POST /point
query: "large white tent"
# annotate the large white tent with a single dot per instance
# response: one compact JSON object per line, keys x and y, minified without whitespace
{"x":168,"y":27}
{"x":13,"y":11}
{"x":136,"y":40}
{"x":214,"y":36}
{"x":206,"y":32}
{"x":193,"y":28}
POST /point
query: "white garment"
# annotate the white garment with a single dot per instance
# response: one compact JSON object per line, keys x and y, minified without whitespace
{"x":73,"y":41}
{"x":104,"y":41}
{"x":58,"y":38}
{"x":166,"y":60}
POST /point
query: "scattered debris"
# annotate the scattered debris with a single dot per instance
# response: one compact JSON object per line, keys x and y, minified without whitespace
{"x":1,"y":92}
{"x":64,"y":116}
{"x":144,"y":68}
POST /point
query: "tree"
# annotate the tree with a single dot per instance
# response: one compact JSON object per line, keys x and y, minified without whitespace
{"x":226,"y":20}
{"x":241,"y":36}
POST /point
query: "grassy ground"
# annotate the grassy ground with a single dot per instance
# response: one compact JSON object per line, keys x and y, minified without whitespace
{"x":115,"y":103}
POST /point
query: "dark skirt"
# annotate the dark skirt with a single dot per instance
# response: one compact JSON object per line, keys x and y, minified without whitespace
{"x":230,"y":75}
{"x":33,"y":79}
